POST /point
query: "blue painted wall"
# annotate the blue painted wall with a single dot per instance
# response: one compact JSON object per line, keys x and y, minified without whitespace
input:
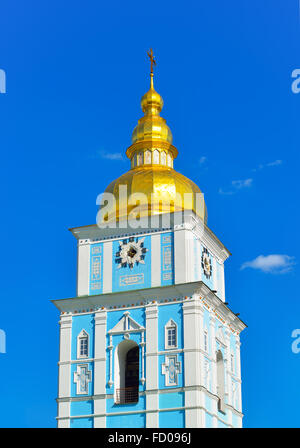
{"x":171,"y":400}
{"x":172,"y":419}
{"x":129,"y":407}
{"x":138,"y":277}
{"x":82,"y":407}
{"x":208,"y":420}
{"x":81,"y":423}
{"x":126,"y":421}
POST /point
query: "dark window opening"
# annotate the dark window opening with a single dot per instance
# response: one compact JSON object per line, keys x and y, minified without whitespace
{"x":130,"y":394}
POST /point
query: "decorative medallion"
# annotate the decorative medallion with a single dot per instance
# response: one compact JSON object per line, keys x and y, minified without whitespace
{"x":206,"y":263}
{"x":131,"y":252}
{"x":171,"y":368}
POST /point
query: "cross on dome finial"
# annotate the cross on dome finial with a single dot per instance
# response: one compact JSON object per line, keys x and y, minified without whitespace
{"x":152,"y":60}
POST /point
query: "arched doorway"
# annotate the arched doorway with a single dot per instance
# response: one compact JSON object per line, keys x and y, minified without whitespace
{"x":127,"y":372}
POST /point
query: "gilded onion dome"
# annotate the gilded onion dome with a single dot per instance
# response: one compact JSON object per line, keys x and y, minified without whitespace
{"x":152,"y":174}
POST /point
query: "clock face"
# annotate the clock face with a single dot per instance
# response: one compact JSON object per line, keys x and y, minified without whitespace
{"x":131,"y":251}
{"x":206,"y":263}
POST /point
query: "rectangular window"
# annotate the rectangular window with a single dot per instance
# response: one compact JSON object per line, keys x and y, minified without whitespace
{"x":83,"y":347}
{"x":172,"y":337}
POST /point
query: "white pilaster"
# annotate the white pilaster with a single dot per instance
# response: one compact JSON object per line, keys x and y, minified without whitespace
{"x":83,"y":268}
{"x":180,"y":256}
{"x":155,"y":260}
{"x":197,"y":254}
{"x":222,"y":282}
{"x":192,"y":320}
{"x":238,"y":369}
{"x":100,"y":367}
{"x":152,"y":420}
{"x":64,"y":371}
{"x":227,"y":362}
{"x":107,"y":266}
{"x":63,"y":423}
{"x":212,"y":331}
{"x":190,"y":256}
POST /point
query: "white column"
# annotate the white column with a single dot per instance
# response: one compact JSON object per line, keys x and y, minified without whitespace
{"x":152,"y":404}
{"x":180,"y":258}
{"x":197,"y":255}
{"x":223,"y":282}
{"x":212,"y":331}
{"x":238,"y":370}
{"x":64,"y":372}
{"x":216,"y":277}
{"x":100,"y":368}
{"x":192,"y":314}
{"x":227,"y":365}
{"x":107,"y":266}
{"x":83,"y":267}
{"x":190,"y":256}
{"x":155,"y":260}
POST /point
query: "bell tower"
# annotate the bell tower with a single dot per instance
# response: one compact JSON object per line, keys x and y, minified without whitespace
{"x":149,"y":340}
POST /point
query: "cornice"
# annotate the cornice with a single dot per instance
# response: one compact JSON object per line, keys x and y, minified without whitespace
{"x":159,"y":296}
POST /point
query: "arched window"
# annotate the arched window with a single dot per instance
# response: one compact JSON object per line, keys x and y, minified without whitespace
{"x":170,"y":161}
{"x":140,"y":159}
{"x":220,"y":381}
{"x":155,"y":156}
{"x":127,"y":372}
{"x":170,"y":334}
{"x":148,"y":157}
{"x":83,"y":345}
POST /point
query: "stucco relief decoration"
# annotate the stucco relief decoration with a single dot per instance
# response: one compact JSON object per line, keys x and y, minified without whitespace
{"x":131,"y":252}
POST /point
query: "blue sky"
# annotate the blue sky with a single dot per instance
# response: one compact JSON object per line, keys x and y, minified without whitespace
{"x":75,"y":74}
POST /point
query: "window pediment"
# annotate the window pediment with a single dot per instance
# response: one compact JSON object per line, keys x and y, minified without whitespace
{"x":126,"y":324}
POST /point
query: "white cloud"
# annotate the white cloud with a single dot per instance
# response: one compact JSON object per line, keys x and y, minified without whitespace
{"x":202,"y":160}
{"x":237,"y":185}
{"x":270,"y":164}
{"x":242,"y":183}
{"x":275,"y":264}
{"x":229,"y":192}
{"x":110,"y":155}
{"x":275,"y":163}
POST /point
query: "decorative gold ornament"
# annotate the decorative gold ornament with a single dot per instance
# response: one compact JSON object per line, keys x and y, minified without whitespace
{"x":152,"y":155}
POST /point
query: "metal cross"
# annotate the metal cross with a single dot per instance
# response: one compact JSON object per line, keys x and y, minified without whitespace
{"x":153,"y":62}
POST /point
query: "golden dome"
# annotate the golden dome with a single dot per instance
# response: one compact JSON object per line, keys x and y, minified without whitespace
{"x":152,"y":102}
{"x":163,"y":189}
{"x":152,"y":186}
{"x":152,"y":126}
